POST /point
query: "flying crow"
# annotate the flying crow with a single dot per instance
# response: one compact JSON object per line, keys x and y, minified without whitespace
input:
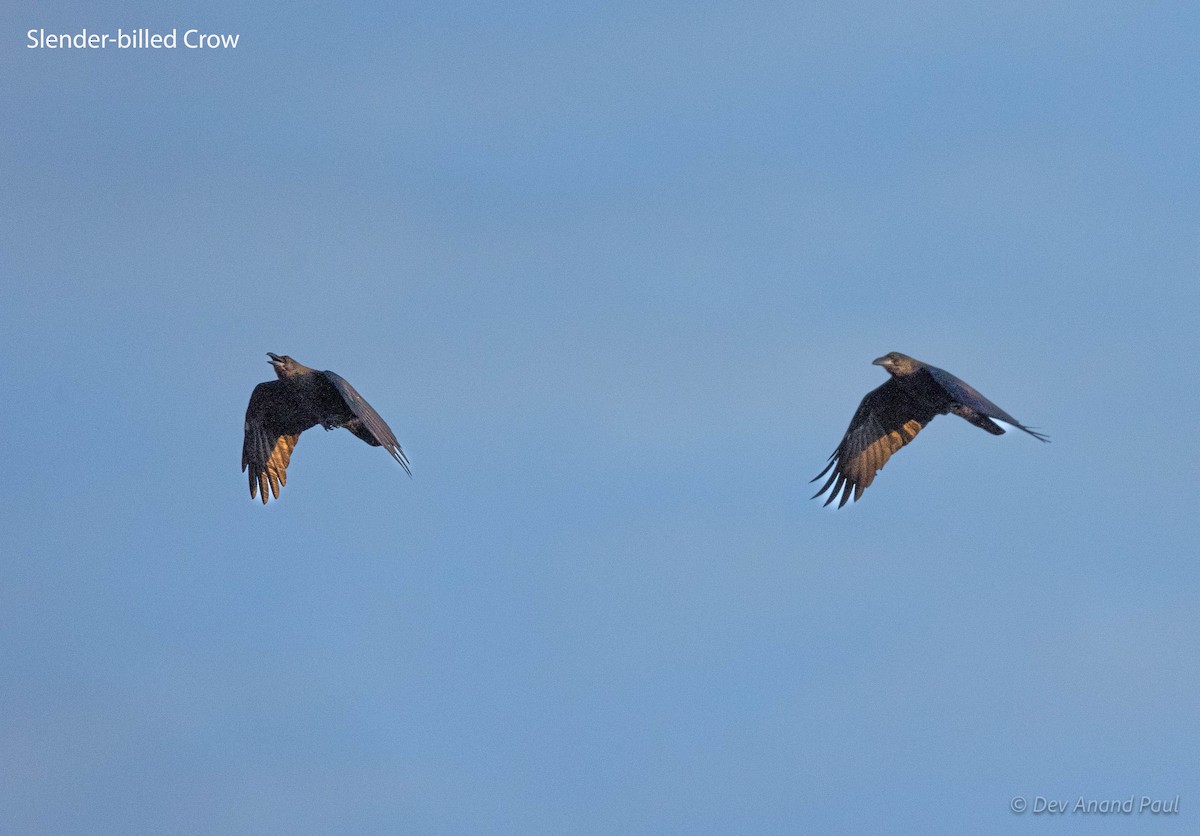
{"x":891,"y":416}
{"x":301,"y":398}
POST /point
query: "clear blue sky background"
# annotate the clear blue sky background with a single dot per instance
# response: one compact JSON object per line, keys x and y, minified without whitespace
{"x":615,"y":274}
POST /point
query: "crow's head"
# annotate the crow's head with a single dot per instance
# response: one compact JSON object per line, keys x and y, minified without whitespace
{"x":285,"y":366}
{"x":897,"y":364}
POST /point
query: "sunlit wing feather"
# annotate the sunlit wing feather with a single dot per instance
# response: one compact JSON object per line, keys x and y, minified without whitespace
{"x":267,"y":449}
{"x":884,"y":422}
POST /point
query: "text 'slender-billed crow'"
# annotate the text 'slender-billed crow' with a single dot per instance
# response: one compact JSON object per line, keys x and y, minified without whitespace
{"x":281,"y":409}
{"x":891,"y":416}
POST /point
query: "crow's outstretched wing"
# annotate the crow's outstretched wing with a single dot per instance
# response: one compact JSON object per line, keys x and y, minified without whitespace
{"x":965,"y":394}
{"x":367,"y":424}
{"x":272,"y":430}
{"x":885,"y":421}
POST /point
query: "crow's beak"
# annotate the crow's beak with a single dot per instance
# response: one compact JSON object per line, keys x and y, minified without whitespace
{"x":275,"y":358}
{"x":879,"y":361}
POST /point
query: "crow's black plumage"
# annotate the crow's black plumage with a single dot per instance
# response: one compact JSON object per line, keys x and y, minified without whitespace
{"x":891,"y":416}
{"x":281,"y":409}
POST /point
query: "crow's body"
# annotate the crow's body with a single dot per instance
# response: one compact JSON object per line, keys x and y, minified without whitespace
{"x":891,"y":416}
{"x":301,"y":398}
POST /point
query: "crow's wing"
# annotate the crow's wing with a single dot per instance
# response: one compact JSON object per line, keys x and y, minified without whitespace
{"x":964,"y":393}
{"x":371,"y":428}
{"x":272,"y":431}
{"x":885,"y":421}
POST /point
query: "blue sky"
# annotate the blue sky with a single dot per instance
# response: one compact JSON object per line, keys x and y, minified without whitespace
{"x":615,"y":276}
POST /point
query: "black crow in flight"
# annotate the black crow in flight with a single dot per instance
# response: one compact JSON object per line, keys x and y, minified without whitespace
{"x":891,"y":416}
{"x":301,"y":398}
